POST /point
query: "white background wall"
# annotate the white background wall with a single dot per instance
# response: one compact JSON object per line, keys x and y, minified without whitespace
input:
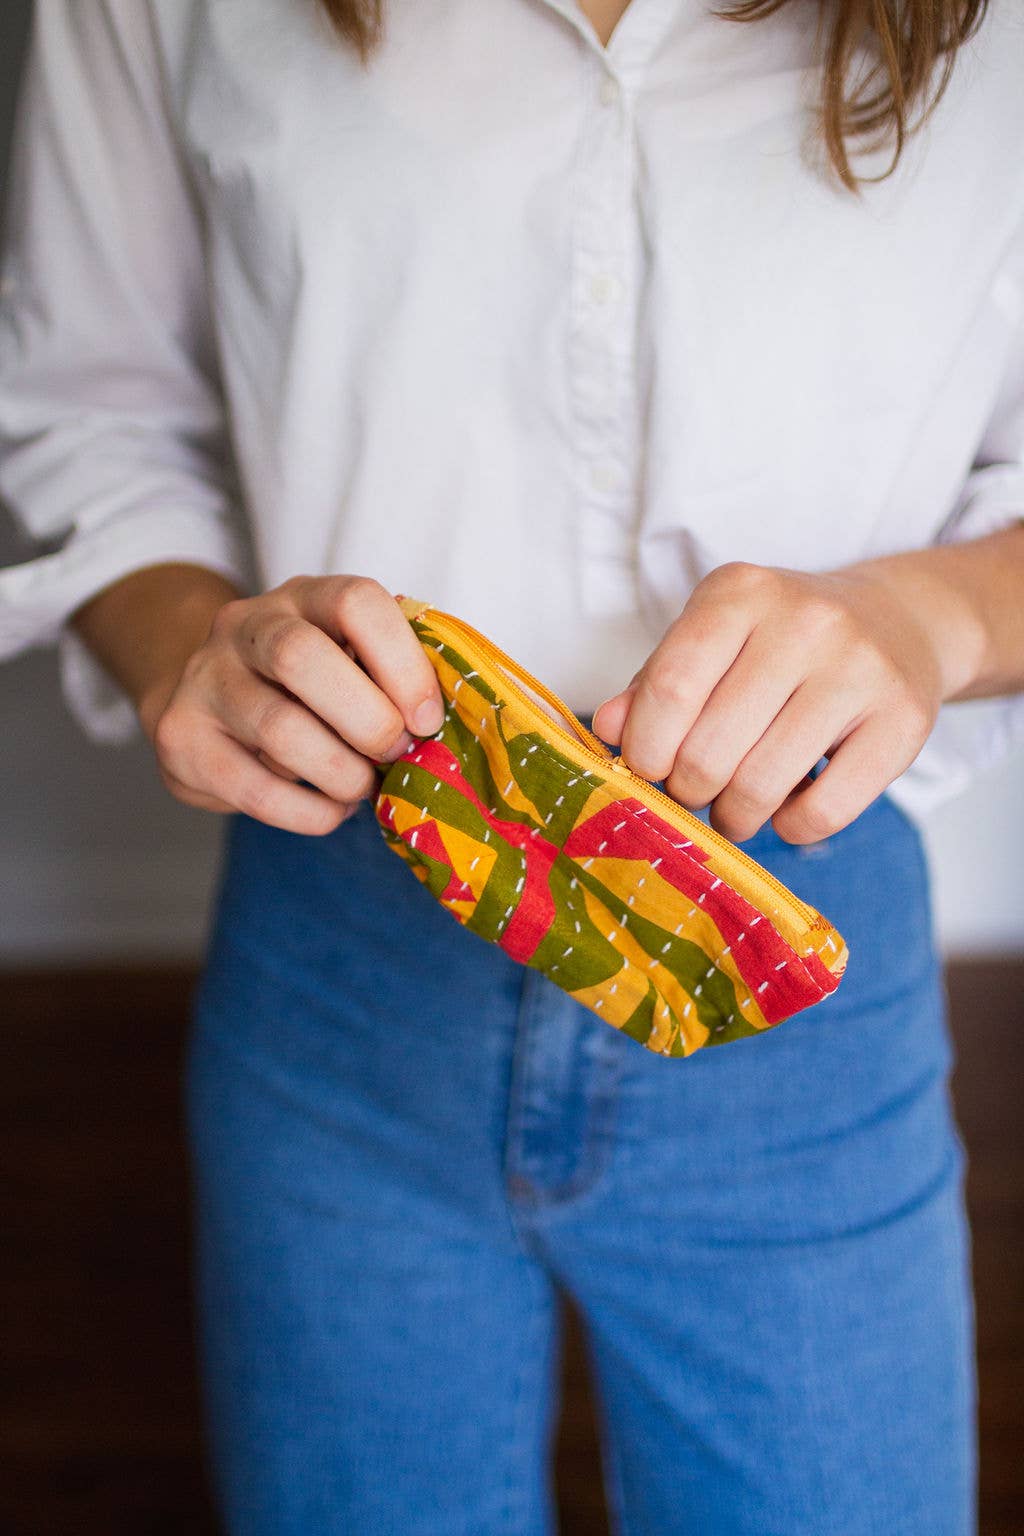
{"x":98,"y":862}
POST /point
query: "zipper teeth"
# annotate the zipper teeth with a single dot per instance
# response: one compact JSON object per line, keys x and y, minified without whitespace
{"x":584,"y":740}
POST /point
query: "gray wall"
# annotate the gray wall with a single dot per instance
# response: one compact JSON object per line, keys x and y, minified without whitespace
{"x":97,"y":861}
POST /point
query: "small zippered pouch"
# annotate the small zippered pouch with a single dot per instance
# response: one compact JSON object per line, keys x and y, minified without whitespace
{"x":537,"y":837}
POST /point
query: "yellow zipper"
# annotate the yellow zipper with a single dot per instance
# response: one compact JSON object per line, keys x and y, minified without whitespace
{"x":585,"y":742}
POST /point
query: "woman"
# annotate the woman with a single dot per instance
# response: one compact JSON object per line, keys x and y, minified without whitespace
{"x":554,"y":316}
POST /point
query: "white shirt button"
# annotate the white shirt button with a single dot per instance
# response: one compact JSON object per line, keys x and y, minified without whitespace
{"x":604,"y":287}
{"x":604,"y":477}
{"x":609,"y":91}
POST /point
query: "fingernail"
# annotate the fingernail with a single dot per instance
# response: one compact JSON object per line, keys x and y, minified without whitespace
{"x":428,"y":716}
{"x":403,"y":744}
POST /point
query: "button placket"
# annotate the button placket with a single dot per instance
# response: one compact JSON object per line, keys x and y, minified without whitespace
{"x":602,"y":360}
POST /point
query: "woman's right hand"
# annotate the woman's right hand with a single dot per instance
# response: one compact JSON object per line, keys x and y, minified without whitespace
{"x":277,"y":693}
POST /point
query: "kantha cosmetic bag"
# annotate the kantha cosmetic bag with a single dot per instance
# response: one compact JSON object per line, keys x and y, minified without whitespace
{"x":537,"y":837}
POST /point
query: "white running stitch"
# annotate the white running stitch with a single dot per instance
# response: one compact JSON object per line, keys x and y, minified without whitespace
{"x":773,"y":910}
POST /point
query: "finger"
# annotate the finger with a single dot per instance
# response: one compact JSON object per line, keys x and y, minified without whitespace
{"x":739,"y":710}
{"x":276,"y":767}
{"x":363,"y":613}
{"x":609,"y":718}
{"x":677,"y":678}
{"x":813,"y":720}
{"x":208,"y":802}
{"x":860,"y":768}
{"x":194,"y":797}
{"x":232,"y":774}
{"x":301,"y":660}
{"x":268,"y":721}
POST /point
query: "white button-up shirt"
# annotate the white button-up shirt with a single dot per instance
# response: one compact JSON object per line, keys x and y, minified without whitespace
{"x":536,"y":331}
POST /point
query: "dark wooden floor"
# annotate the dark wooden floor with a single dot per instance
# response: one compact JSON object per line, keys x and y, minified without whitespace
{"x":99,"y":1431}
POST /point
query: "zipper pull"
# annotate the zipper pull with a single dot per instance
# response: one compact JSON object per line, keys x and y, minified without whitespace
{"x":412,"y":607}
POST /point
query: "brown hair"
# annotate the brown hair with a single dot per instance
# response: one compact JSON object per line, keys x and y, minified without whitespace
{"x":907,"y":37}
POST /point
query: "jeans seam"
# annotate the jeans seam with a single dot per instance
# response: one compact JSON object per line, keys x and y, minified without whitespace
{"x":608,"y":1439}
{"x":600,"y":1130}
{"x":514,"y":1512}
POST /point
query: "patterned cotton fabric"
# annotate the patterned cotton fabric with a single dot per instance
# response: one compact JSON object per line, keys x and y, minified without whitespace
{"x":573,"y":866}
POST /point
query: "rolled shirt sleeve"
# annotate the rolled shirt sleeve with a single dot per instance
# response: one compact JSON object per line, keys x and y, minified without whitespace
{"x":973,"y":736}
{"x":114,"y":449}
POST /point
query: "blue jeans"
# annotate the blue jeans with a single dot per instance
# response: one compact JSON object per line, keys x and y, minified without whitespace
{"x":404,"y":1143}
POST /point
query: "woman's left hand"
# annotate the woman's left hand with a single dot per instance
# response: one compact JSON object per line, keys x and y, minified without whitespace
{"x":764,"y":672}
